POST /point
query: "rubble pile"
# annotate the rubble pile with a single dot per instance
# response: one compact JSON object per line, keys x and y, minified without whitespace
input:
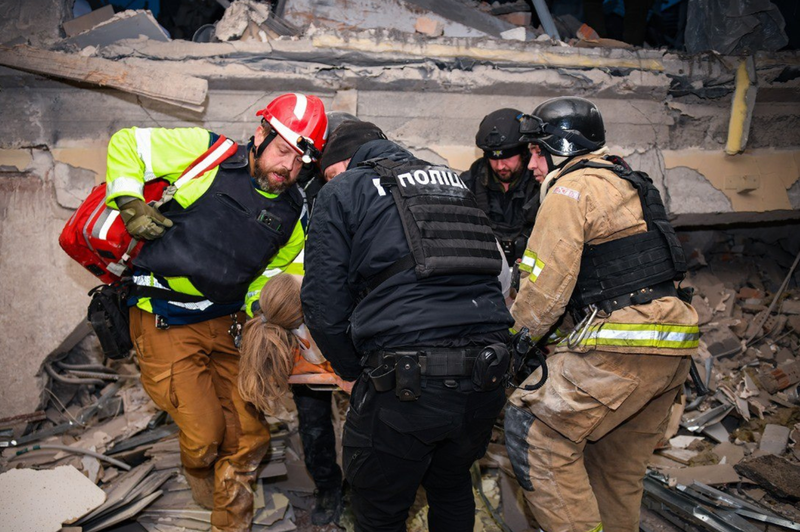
{"x":98,"y":423}
{"x":730,"y":458}
{"x":734,"y":450}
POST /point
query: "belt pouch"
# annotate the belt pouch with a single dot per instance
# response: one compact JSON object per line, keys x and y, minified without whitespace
{"x":382,"y":377}
{"x":491,"y":367}
{"x":408,"y":376}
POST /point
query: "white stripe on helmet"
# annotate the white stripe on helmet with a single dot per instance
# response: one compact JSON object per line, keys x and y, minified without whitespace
{"x":300,"y":105}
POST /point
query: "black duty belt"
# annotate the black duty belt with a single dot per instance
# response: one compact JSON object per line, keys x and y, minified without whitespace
{"x":402,"y":368}
{"x":433,"y":361}
{"x":639,"y":297}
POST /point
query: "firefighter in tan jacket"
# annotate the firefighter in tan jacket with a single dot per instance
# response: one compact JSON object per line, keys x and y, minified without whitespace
{"x":603,"y":250}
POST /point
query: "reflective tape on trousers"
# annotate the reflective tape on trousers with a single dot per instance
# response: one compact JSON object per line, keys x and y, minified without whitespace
{"x":653,"y":335}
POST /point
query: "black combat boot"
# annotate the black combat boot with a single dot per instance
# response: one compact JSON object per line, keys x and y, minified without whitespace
{"x":328,"y":506}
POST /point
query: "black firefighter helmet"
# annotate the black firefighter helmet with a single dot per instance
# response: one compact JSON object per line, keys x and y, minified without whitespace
{"x":565,"y":126}
{"x":498,"y":134}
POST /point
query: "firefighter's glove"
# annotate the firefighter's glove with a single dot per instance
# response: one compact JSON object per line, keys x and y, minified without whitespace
{"x":143,"y":221}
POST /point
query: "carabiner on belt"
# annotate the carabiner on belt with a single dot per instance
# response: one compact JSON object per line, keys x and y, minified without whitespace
{"x":582,"y":329}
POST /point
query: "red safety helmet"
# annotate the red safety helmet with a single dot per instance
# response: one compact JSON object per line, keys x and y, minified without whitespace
{"x":300,"y":120}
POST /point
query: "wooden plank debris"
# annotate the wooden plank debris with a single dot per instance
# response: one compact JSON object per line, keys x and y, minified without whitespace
{"x":188,"y":92}
{"x":778,"y":476}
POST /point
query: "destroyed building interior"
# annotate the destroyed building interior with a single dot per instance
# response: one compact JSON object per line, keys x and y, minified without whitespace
{"x":708,"y":105}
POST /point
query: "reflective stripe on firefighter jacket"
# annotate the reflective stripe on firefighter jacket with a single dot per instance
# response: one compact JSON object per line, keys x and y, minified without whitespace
{"x":594,"y":206}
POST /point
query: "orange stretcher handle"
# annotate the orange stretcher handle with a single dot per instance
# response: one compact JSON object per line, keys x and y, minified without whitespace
{"x":305,"y":372}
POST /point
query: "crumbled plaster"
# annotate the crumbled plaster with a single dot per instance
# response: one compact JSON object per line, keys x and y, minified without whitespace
{"x":72,"y":184}
{"x":794,"y":195}
{"x":691,"y":193}
{"x":44,"y":291}
{"x":13,"y":159}
{"x":362,"y":14}
{"x":755,"y":181}
{"x":86,"y":154}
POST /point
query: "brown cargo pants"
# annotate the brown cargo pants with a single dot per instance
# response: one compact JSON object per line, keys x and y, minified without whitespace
{"x":191,"y":371}
{"x":580,"y":445}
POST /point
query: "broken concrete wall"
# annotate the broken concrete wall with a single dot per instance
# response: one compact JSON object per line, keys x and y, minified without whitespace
{"x":37,"y":22}
{"x":43,"y":293}
{"x":667,"y":114}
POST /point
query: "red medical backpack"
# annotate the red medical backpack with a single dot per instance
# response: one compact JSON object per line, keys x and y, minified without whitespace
{"x":95,"y":235}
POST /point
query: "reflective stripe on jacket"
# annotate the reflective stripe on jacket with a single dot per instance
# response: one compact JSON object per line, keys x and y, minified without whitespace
{"x":594,"y":206}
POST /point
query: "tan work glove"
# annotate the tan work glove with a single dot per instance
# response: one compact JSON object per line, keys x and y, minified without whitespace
{"x":143,"y":221}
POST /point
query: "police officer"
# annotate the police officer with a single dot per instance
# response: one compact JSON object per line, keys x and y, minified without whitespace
{"x":503,"y":186}
{"x":208,"y":254}
{"x":602,"y":248}
{"x":401,"y":294}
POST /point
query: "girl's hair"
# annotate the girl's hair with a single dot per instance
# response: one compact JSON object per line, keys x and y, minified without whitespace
{"x":268,"y":345}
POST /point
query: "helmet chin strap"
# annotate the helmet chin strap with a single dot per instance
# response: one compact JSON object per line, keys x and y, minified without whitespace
{"x":257,"y":151}
{"x":554,"y":164}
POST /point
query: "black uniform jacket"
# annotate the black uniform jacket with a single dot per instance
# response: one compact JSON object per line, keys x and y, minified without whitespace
{"x":355,"y":233}
{"x":511,"y":213}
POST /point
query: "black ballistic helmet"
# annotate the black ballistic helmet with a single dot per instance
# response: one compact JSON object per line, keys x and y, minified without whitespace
{"x":565,"y":126}
{"x":498,"y":134}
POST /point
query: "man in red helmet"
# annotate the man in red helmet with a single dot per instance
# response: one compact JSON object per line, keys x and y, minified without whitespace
{"x":209,"y":251}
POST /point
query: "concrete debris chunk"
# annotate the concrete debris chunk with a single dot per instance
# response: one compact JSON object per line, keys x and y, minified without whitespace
{"x":774,"y":439}
{"x":720,"y":341}
{"x":713,"y":475}
{"x":428,"y":26}
{"x":124,"y":25}
{"x":41,"y":501}
{"x":88,"y":21}
{"x":238,"y":17}
{"x":791,"y":306}
{"x":516,"y":34}
{"x":781,"y":377}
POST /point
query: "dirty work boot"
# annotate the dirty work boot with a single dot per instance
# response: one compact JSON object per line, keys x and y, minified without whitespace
{"x":202,"y":489}
{"x":328,"y":506}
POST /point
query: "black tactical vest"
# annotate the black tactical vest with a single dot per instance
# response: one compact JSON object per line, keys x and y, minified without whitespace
{"x":635,"y":269}
{"x":511,"y":214}
{"x":226,"y":237}
{"x":446,"y":231}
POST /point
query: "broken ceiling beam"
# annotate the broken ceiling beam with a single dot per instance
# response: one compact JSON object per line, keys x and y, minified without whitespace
{"x":446,"y":48}
{"x":742,"y":104}
{"x":188,"y":92}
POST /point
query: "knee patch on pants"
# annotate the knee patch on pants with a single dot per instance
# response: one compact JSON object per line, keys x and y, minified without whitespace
{"x":517,"y":424}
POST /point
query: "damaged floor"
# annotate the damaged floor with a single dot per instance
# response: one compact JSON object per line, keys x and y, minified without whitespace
{"x":730,"y":460}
